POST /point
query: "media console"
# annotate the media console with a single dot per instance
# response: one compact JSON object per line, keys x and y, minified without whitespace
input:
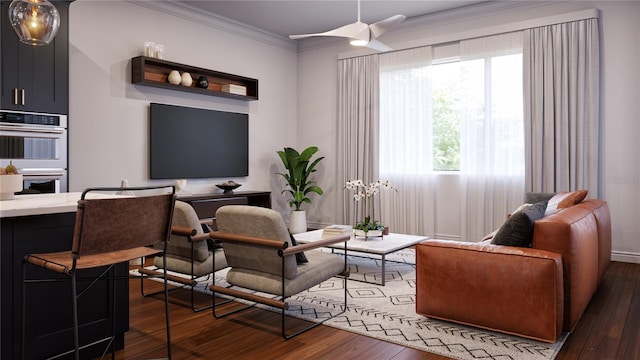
{"x":206,"y":205}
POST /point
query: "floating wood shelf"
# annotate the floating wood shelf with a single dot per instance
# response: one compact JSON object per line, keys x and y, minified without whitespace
{"x":150,"y":71}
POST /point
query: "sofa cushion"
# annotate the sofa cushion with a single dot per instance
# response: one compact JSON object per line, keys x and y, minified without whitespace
{"x":518,"y":229}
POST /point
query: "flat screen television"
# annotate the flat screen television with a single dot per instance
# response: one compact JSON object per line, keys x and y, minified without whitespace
{"x":188,"y":143}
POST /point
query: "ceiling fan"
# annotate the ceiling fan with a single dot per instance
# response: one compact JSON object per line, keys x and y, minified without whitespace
{"x":362,"y":34}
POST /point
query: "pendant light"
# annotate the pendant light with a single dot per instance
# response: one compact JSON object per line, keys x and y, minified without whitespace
{"x":35,"y":21}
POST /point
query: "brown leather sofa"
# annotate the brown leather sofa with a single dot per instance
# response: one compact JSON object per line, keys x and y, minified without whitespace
{"x":535,"y":292}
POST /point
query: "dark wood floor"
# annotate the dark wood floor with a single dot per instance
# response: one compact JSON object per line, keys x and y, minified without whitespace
{"x":609,"y":329}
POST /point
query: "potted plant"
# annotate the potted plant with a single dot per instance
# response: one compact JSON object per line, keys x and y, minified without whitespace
{"x":299,"y":185}
{"x":365,"y":207}
{"x":368,"y":227}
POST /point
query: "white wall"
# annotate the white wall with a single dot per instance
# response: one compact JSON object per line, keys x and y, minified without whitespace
{"x":297,"y":106}
{"x":620,"y":26}
{"x":108,"y":115}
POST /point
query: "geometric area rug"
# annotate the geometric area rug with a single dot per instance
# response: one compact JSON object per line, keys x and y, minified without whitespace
{"x":388,"y":313}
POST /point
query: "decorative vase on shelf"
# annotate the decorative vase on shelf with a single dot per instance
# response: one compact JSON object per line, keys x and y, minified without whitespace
{"x":298,"y":222}
{"x":180,"y":185}
{"x":202,"y":82}
{"x":174,"y":77}
{"x":186,"y":79}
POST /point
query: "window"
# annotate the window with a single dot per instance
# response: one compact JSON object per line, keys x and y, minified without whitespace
{"x":458,"y":115}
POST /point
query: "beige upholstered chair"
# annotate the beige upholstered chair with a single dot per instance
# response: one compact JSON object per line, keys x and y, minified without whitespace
{"x":261,"y":259}
{"x":187,"y":252}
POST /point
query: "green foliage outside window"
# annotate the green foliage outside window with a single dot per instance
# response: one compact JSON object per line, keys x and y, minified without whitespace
{"x":446,"y":129}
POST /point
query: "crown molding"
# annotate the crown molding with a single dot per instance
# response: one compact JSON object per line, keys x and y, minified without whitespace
{"x":463,"y":14}
{"x":179,"y":9}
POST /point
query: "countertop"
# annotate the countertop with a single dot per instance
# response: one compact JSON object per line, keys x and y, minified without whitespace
{"x":39,"y":204}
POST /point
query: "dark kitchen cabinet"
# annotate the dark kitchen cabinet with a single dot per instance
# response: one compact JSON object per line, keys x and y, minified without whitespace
{"x":49,"y":324}
{"x":35,"y":78}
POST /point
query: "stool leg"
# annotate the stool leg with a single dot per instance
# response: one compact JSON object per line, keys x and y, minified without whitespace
{"x":166,"y":308}
{"x":24,"y":312}
{"x":76,"y":340}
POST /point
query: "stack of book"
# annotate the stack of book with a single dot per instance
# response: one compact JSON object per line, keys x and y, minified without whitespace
{"x":234,"y":89}
{"x":336,"y":230}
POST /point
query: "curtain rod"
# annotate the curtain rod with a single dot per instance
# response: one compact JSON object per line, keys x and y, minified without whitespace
{"x":486,"y":31}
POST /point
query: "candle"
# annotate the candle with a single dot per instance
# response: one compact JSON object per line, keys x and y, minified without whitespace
{"x":149,"y":48}
{"x":159,"y":51}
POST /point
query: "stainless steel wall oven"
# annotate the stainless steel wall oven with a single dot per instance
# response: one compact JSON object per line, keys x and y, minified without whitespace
{"x":37,"y":144}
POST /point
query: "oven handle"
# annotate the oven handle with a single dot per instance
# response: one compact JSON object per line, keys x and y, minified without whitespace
{"x":37,"y":173}
{"x":51,"y":130}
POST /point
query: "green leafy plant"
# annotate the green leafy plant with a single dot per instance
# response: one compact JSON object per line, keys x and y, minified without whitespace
{"x":368,"y":225}
{"x":299,"y":167}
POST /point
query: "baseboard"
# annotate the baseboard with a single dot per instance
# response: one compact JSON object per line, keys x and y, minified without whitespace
{"x":447,"y":237}
{"x":628,"y":257}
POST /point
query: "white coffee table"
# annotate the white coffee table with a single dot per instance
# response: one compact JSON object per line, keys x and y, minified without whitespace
{"x":381,"y":246}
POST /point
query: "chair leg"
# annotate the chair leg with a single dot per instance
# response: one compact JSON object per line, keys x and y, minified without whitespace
{"x":344,"y":282}
{"x":289,"y":336}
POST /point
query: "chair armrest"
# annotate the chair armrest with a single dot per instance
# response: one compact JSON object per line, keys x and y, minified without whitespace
{"x":199,"y":237}
{"x":316,"y":244}
{"x":182,"y":231}
{"x":208,"y":222}
{"x":189,"y":233}
{"x":277,"y":244}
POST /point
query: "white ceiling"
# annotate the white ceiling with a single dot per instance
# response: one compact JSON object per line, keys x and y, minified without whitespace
{"x":291,"y":17}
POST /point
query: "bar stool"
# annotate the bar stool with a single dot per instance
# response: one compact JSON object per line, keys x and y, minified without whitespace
{"x":109,"y":229}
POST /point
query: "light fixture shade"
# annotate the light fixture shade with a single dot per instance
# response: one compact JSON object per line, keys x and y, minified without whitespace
{"x":35,"y":21}
{"x":358,"y":42}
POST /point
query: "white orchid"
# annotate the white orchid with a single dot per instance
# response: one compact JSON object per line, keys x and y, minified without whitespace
{"x":364,"y":199}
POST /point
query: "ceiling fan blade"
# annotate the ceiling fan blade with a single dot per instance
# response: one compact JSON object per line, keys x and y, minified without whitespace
{"x":357,"y":30}
{"x":383,"y":25}
{"x":377,"y":45}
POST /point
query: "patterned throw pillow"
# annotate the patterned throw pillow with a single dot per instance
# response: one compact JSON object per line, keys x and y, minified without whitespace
{"x":518,"y":229}
{"x":565,"y":199}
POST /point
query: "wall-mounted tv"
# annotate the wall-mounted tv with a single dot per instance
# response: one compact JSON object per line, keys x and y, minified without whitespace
{"x":188,"y":143}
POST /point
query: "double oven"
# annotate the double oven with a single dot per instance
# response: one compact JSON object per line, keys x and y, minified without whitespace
{"x":37,"y":144}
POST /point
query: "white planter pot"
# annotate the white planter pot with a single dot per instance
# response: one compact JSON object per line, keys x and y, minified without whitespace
{"x":298,"y":222}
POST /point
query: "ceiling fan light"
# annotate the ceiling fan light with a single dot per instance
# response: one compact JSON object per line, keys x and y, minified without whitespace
{"x":36,"y":22}
{"x":358,"y":42}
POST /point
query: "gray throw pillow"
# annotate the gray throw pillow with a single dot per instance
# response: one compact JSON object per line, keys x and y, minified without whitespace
{"x":518,"y":229}
{"x":536,"y":197}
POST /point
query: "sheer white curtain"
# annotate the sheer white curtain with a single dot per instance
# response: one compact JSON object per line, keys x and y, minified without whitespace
{"x":491,"y":133}
{"x":562,"y":107}
{"x":405,"y":142}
